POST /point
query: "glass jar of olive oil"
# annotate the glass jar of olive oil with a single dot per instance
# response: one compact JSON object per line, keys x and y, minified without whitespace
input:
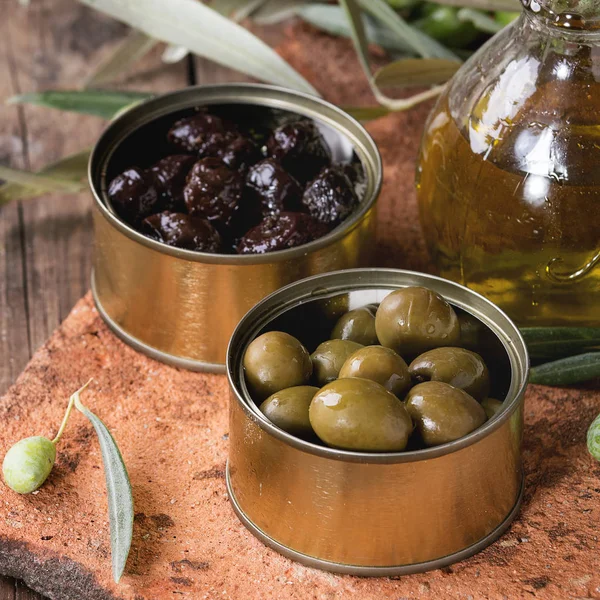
{"x":508,"y":180}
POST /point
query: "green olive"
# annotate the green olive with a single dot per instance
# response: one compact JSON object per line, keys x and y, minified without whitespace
{"x":379,"y":364}
{"x":359,"y":414}
{"x":491,"y":406}
{"x":275,"y":361}
{"x":28,"y":463}
{"x":334,"y":307}
{"x":357,"y":326}
{"x":415,"y":319}
{"x":443,"y":413}
{"x":459,"y":367}
{"x":472,"y":331}
{"x":288,"y":409}
{"x":329,"y":358}
{"x":443,"y":24}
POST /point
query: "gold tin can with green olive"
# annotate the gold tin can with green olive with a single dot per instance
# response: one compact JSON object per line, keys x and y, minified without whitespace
{"x":181,"y":306}
{"x":376,"y":514}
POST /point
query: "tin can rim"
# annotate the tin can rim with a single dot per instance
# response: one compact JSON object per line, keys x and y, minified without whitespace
{"x":238,"y":93}
{"x":493,"y":317}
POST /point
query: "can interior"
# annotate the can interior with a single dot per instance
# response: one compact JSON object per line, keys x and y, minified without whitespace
{"x":147,"y":144}
{"x":312,"y":317}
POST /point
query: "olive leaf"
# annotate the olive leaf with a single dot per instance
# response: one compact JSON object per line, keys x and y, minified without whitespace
{"x":204,"y":31}
{"x":276,"y":11}
{"x":480,"y":20}
{"x":409,"y":72}
{"x":566,"y":371}
{"x":173,"y":54}
{"x":422,"y":44}
{"x":128,"y":52}
{"x":555,"y":342}
{"x":367,"y":113}
{"x":118,"y":488}
{"x":100,"y":103}
{"x":333,"y":20}
{"x":509,"y":5}
{"x":68,"y":173}
{"x":360,"y":43}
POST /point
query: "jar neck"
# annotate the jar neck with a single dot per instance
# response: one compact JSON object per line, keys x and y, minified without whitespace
{"x":566,"y":15}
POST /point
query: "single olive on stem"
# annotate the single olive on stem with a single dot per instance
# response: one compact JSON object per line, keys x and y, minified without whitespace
{"x":28,"y":463}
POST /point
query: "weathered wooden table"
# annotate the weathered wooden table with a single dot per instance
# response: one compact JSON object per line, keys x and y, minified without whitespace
{"x":45,"y":243}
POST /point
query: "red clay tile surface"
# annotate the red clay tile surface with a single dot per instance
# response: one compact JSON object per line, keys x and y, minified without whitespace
{"x":171,"y":426}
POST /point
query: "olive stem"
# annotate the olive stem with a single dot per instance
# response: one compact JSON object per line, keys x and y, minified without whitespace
{"x":68,"y":413}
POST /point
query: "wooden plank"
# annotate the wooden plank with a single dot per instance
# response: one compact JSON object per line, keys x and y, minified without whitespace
{"x":45,"y":244}
{"x":14,"y":339}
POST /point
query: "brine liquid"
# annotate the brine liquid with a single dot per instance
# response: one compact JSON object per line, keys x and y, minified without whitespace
{"x":514,"y":213}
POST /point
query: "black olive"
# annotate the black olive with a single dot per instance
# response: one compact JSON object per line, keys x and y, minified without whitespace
{"x":330,"y":196}
{"x":213,"y":191}
{"x":274,"y":188}
{"x":287,"y":230}
{"x":201,"y":133}
{"x":183,"y":231}
{"x":300,"y":148}
{"x":170,"y":175}
{"x":134,"y":195}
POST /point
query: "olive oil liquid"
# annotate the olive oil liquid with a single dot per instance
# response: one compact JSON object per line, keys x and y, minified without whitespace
{"x":510,"y":207}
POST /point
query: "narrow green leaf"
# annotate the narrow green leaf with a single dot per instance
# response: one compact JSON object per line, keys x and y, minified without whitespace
{"x":480,"y":20}
{"x":276,"y":11}
{"x":100,"y":103}
{"x":118,"y":488}
{"x":593,"y":438}
{"x":422,"y":44}
{"x":67,"y":172}
{"x":509,"y":5}
{"x":207,"y":33}
{"x":566,"y":371}
{"x":134,"y":46}
{"x":409,"y":72}
{"x":360,"y":45}
{"x":367,"y":113}
{"x":554,"y":342}
{"x":246,"y":10}
{"x":333,"y":20}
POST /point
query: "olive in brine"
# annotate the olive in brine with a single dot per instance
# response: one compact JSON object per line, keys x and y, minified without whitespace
{"x":274,"y":361}
{"x":357,"y":326}
{"x":415,"y":319}
{"x":329,"y":358}
{"x":459,"y":367}
{"x":378,"y":364}
{"x":491,"y":406}
{"x":359,"y":414}
{"x":182,"y":231}
{"x":443,"y":413}
{"x":288,"y":409}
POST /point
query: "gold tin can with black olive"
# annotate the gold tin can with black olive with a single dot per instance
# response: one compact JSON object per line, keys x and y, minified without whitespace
{"x":367,"y":513}
{"x":181,"y":306}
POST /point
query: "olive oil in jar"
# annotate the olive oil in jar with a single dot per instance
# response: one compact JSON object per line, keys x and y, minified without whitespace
{"x":509,"y":189}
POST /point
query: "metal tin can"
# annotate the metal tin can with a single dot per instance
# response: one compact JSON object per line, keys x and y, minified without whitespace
{"x":181,"y":306}
{"x":366,"y":513}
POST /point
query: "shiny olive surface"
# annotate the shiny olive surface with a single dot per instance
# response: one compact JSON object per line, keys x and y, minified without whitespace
{"x":329,"y":358}
{"x":379,"y":364}
{"x":357,"y":326}
{"x":288,"y":409}
{"x":471,"y":331}
{"x":459,"y":367}
{"x":275,"y":361}
{"x":443,"y":413}
{"x":491,"y":406}
{"x":359,"y":414}
{"x":415,"y":319}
